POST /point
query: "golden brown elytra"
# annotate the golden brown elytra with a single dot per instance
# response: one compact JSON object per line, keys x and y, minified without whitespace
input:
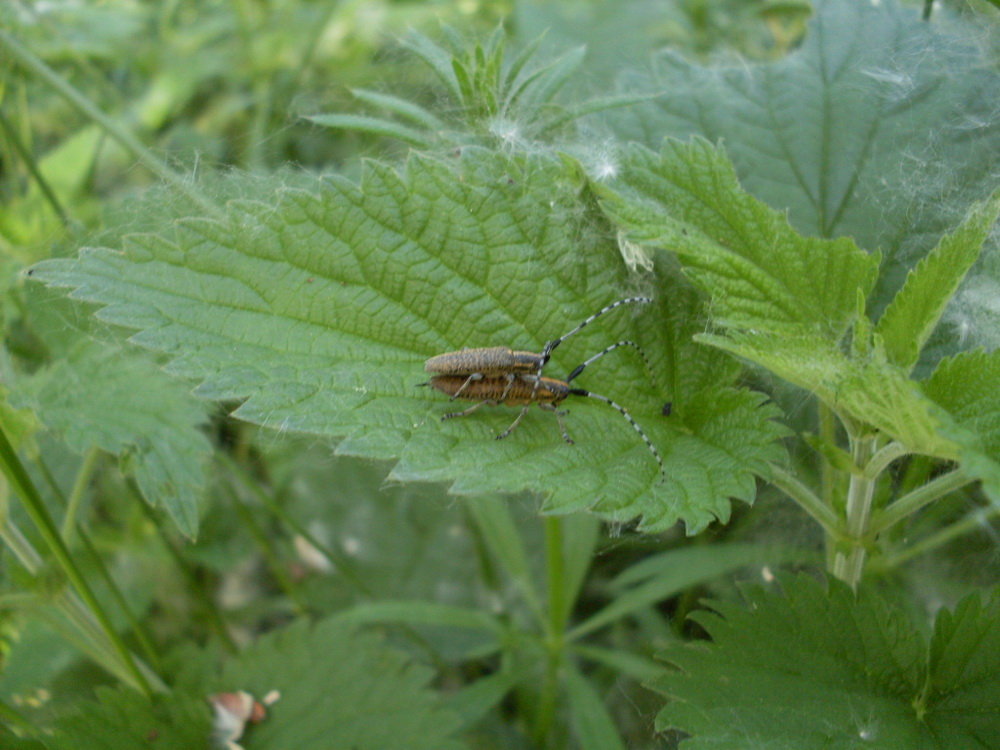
{"x":501,"y":375}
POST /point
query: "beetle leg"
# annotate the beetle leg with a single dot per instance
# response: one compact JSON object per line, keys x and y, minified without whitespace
{"x":511,"y":377}
{"x":559,"y":417}
{"x":505,"y":433}
{"x":467,"y":411}
{"x":471,"y":378}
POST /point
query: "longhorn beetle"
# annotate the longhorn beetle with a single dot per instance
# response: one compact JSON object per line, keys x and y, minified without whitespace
{"x":500,"y":375}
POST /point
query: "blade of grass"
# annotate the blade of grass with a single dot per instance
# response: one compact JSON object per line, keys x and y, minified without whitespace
{"x":401,"y":107}
{"x":372,"y":125}
{"x":33,"y":504}
{"x":594,"y":727}
{"x":498,"y":530}
{"x":120,"y":134}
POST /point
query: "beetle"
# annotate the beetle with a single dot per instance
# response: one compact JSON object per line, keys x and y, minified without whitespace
{"x":523,"y":390}
{"x":500,"y":375}
{"x":502,"y":361}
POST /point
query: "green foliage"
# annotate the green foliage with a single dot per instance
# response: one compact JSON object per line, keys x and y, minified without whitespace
{"x":124,"y":718}
{"x":911,"y":317}
{"x":338,"y":689}
{"x":867,"y":131}
{"x":123,"y":405}
{"x":965,"y":388}
{"x":491,"y":101}
{"x":819,"y":668}
{"x":759,"y":272}
{"x":318,"y":312}
{"x":308,"y":307}
{"x":786,"y":302}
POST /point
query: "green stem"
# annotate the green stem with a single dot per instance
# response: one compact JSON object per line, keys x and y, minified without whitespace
{"x":271,"y":557}
{"x":828,"y":477}
{"x":215,"y":618}
{"x":881,"y":460}
{"x":85,"y":632}
{"x":917,"y":499}
{"x":343,"y":563}
{"x":972,"y":522}
{"x":806,"y":499}
{"x":556,"y":629}
{"x":556,"y":576}
{"x":83,"y":477}
{"x":848,"y":565}
{"x":828,"y":434}
{"x":123,"y":136}
{"x":29,"y":163}
{"x":21,"y":483}
{"x":138,"y":630}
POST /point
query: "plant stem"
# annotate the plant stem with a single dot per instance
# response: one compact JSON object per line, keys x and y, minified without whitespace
{"x":340,"y":560}
{"x":29,"y":163}
{"x":270,"y":555}
{"x":214,"y":616}
{"x":556,"y":575}
{"x":918,"y":498}
{"x":806,"y":499}
{"x":555,"y":629}
{"x":80,"y":485}
{"x":124,"y":137}
{"x":881,"y":460}
{"x":974,"y":520}
{"x":138,"y":631}
{"x":848,"y":565}
{"x":828,"y":434}
{"x":827,"y":477}
{"x":32,"y":502}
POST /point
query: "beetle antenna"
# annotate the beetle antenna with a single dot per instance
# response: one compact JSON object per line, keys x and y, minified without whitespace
{"x":635,"y":426}
{"x":582,"y":367}
{"x":551,"y":345}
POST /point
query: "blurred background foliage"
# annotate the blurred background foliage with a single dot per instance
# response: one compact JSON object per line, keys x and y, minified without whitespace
{"x":217,"y":88}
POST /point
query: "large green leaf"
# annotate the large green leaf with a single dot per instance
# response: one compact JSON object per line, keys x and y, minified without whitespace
{"x":785,"y":301}
{"x":964,"y":388}
{"x":338,"y":689}
{"x":881,"y":126}
{"x":99,"y":397}
{"x":914,"y":312}
{"x":317,"y":311}
{"x":760,"y":272}
{"x":822,"y":669}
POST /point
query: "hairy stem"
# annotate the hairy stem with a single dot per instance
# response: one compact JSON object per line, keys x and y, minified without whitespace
{"x":83,"y":477}
{"x":807,"y":499}
{"x":978,"y":519}
{"x":913,"y":501}
{"x":848,"y":565}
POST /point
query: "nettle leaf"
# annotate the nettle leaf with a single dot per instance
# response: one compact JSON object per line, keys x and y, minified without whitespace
{"x":758,"y":270}
{"x":881,"y":126}
{"x":870,"y":391}
{"x":317,"y":313}
{"x":820,"y":669}
{"x":915,"y":311}
{"x":785,"y":301}
{"x":339,"y":688}
{"x":122,"y":404}
{"x":965,"y":389}
{"x":122,"y":718}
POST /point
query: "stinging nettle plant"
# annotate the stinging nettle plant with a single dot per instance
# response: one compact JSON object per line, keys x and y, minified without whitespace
{"x":314,"y":310}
